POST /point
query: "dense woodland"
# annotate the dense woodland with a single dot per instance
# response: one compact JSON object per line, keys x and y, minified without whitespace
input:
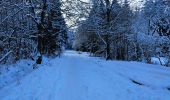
{"x":112,"y":29}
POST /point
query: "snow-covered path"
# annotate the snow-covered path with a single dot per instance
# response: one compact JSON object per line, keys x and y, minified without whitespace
{"x":79,"y":77}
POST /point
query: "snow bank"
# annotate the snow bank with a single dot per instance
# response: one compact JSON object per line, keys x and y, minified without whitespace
{"x":11,"y":73}
{"x":15,"y":72}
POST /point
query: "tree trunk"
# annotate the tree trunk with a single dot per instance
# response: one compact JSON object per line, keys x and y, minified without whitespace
{"x":108,"y":55}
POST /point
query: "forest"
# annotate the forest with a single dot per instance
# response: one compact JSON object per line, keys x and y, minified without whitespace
{"x":128,"y":30}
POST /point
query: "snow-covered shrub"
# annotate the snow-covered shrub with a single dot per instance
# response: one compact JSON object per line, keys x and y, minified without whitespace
{"x":159,"y":61}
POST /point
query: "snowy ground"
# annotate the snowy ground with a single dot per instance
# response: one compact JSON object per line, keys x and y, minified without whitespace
{"x":14,"y":72}
{"x":79,"y":77}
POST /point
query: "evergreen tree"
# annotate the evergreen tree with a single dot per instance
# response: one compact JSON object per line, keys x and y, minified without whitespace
{"x":59,"y":28}
{"x":53,"y":28}
{"x":109,"y":24}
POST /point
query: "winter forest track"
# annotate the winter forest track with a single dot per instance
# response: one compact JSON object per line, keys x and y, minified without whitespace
{"x":79,"y":77}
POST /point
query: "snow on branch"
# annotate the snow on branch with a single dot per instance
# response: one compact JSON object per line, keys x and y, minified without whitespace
{"x":6,"y":55}
{"x":10,"y":16}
